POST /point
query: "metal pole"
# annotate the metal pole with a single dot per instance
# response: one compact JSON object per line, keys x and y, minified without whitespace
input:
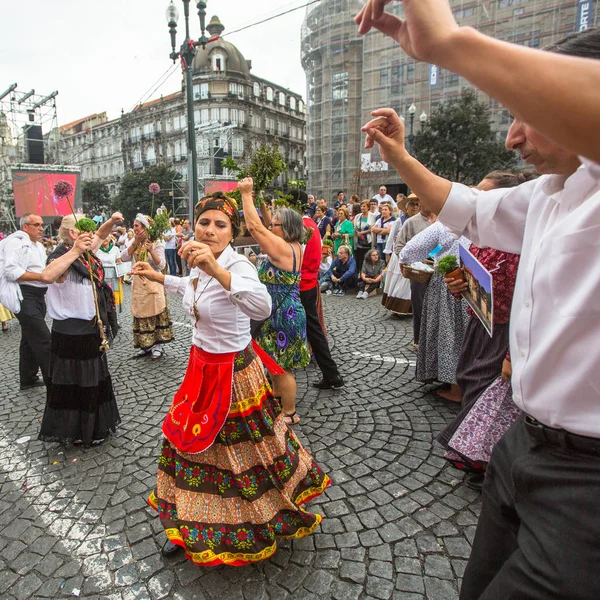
{"x":192,"y":153}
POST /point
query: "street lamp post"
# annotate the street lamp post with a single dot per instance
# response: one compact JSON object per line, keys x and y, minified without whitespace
{"x":186,"y":54}
{"x":423,"y":119}
{"x":411,"y":113}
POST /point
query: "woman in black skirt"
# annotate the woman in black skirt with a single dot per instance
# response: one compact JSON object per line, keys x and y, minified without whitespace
{"x":81,"y":407}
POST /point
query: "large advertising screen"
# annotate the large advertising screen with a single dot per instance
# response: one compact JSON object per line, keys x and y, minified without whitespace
{"x":219,"y":185}
{"x":34,"y":192}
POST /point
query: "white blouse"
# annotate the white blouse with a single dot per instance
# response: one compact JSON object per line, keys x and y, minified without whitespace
{"x":224,"y":316}
{"x":109,"y":259}
{"x":71,"y":299}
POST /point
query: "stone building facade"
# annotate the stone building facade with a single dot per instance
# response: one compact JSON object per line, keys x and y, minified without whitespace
{"x":235,"y":112}
{"x":348,"y":76}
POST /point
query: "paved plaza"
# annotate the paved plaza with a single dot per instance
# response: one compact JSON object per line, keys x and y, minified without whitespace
{"x":398,"y":523}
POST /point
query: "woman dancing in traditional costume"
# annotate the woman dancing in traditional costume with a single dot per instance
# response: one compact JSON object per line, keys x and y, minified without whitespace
{"x":231,"y":476}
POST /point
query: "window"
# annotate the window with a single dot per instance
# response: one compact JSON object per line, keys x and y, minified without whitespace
{"x":292,"y":103}
{"x":237,"y":146}
{"x":256,"y":89}
{"x":241,"y":117}
{"x":270,"y":94}
{"x":281,"y":99}
{"x":151,"y":155}
{"x":300,"y":106}
{"x":196,"y":117}
{"x":236,"y":89}
{"x":384,"y":77}
{"x":137,"y":157}
{"x":224,"y":143}
{"x":270,"y":125}
{"x":218,"y":62}
{"x":224,"y":115}
{"x":339,"y":86}
{"x":214,"y":114}
{"x":169,"y":151}
{"x":451,"y":79}
{"x":234,"y":116}
{"x":257,"y":121}
{"x":204,"y":118}
{"x":201,"y":91}
{"x":282,"y":128}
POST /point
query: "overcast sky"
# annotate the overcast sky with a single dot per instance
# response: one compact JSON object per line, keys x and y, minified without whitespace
{"x":104,"y":56}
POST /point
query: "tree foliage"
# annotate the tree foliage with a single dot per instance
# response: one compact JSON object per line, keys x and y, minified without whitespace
{"x":95,"y":197}
{"x":134,"y":197}
{"x":459,"y":144}
{"x":263,"y":166}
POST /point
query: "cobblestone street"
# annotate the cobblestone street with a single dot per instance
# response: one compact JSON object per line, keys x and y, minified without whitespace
{"x":398,"y":524}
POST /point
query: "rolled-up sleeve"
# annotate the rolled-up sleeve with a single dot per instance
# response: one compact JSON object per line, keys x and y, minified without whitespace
{"x":247,"y":293}
{"x":160,"y":251}
{"x":494,"y":219}
{"x":14,"y":254}
{"x":125,"y":256}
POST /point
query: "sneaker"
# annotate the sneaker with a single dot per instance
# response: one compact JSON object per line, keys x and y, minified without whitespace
{"x":141,"y":353}
{"x":33,"y":384}
{"x":328,"y":292}
{"x":339,"y":293}
{"x":156,"y":354}
{"x":329,"y":384}
{"x":365,"y":295}
{"x":474,"y":481}
{"x":359,"y":296}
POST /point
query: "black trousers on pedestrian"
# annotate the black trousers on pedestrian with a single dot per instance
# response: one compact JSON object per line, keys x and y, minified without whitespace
{"x":34,"y":351}
{"x":363,"y":286}
{"x":417,"y":295}
{"x":538,"y":536}
{"x":316,"y":337}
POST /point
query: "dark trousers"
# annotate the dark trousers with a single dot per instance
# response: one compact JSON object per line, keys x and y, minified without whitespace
{"x":316,"y":337}
{"x":359,"y":256}
{"x":34,"y":351}
{"x":363,"y":286}
{"x":178,"y":263}
{"x":170,"y":256}
{"x":538,"y":536}
{"x":417,"y":295}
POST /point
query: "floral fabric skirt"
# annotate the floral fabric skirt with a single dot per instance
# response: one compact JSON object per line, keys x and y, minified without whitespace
{"x":150,"y":331}
{"x":470,"y":448}
{"x":230,"y":503}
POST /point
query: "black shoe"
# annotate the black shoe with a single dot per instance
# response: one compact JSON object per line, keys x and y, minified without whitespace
{"x":33,"y":384}
{"x":170,"y":549}
{"x":474,"y":481}
{"x":329,"y":384}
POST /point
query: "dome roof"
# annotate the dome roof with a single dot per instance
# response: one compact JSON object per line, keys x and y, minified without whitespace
{"x":234,"y":59}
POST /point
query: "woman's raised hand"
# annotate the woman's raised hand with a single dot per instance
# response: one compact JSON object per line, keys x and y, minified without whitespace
{"x":246,"y":185}
{"x":143,"y":269}
{"x":83,"y":243}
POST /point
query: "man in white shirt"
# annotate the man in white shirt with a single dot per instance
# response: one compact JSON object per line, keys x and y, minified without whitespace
{"x":25,"y":259}
{"x":383,"y":196}
{"x":538,"y":532}
{"x":170,"y":237}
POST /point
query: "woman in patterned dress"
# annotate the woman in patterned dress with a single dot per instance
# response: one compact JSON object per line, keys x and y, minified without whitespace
{"x":231,"y":476}
{"x":283,"y":334}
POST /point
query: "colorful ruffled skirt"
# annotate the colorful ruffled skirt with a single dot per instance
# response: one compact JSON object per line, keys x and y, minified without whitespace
{"x":230,"y":503}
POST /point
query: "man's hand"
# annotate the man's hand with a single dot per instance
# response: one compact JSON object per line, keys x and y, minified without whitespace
{"x":506,"y":370}
{"x":334,"y":279}
{"x":387,"y":130}
{"x":425,"y":33}
{"x":456,"y":286}
{"x":245,"y":186}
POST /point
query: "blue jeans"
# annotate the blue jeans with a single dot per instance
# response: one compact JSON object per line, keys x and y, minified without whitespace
{"x":170,"y":255}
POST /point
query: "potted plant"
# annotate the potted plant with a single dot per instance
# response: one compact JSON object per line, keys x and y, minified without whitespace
{"x":448,"y":267}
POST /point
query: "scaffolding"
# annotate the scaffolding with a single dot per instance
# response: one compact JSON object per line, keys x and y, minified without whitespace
{"x":19,"y":113}
{"x":348,"y":76}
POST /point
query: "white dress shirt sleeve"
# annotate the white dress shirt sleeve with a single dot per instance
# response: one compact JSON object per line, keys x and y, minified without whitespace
{"x":15,"y":255}
{"x":125,"y":256}
{"x":160,"y":251}
{"x":247,"y":293}
{"x":494,"y":219}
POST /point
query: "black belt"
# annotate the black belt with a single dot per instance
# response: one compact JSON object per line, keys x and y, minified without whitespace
{"x":559,"y":437}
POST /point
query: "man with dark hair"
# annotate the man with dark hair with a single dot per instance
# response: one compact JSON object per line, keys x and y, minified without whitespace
{"x":310,"y":298}
{"x":24,"y":261}
{"x":341,"y":199}
{"x":537,"y":535}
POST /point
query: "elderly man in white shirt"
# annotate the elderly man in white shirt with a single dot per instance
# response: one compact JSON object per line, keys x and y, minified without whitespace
{"x":383,"y":196}
{"x":24,"y":261}
{"x":540,"y":496}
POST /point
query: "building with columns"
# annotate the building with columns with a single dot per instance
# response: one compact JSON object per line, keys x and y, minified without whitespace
{"x":235,"y":112}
